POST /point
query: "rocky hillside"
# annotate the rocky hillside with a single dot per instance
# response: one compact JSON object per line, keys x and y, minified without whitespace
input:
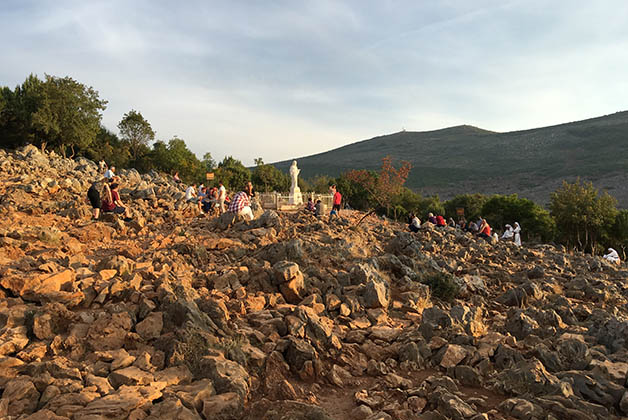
{"x":176,"y":316}
{"x":465,"y":159}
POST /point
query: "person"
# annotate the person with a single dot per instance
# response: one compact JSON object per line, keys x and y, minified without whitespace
{"x":508,"y":233}
{"x":190,"y":197}
{"x":337,"y":199}
{"x":102,"y":165}
{"x":318,"y":209}
{"x":517,"y":234}
{"x":111,"y":202}
{"x":612,"y":256}
{"x":111,"y":173}
{"x":484,"y":231}
{"x":473,"y":227}
{"x":431,"y":218}
{"x":451,"y":222}
{"x":199,"y":189}
{"x":462,"y":224}
{"x":440,"y":221}
{"x":249,"y":189}
{"x":241,"y":205}
{"x":310,"y":206}
{"x":222,"y":196}
{"x":414,"y":223}
{"x":93,"y":194}
{"x":495,"y":237}
{"x":176,"y":177}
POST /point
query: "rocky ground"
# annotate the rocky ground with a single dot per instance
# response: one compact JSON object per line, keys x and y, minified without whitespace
{"x":177,"y":316}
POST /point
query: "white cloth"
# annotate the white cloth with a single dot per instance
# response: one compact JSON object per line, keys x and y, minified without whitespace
{"x":495,"y":236}
{"x":612,"y":256}
{"x":109,"y":174}
{"x":517,"y":233}
{"x":189,"y":193}
{"x":416,"y":222}
{"x":508,"y":233}
{"x":246,"y":212}
{"x":222,"y":193}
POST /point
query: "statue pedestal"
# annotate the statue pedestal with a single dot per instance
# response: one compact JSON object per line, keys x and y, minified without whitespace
{"x":296,"y":198}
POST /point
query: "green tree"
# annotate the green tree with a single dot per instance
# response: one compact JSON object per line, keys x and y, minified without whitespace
{"x":618,"y":237}
{"x":111,"y":149}
{"x":535,"y":221}
{"x":471,"y":203}
{"x":16,"y":117}
{"x":137,"y":132}
{"x":582,"y":215}
{"x":69,"y":115}
{"x":321,"y":183}
{"x":431,"y":204}
{"x":209,"y":164}
{"x":268,"y":178}
{"x":232,"y":173}
{"x":259,"y":161}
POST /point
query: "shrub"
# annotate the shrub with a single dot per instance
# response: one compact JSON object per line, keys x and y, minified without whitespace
{"x":442,"y":285}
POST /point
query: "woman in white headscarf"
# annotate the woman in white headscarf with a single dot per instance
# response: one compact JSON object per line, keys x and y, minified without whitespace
{"x":517,"y":234}
{"x":612,"y":256}
{"x":508,"y":233}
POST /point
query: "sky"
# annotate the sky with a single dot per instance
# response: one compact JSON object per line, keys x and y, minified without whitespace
{"x":283,"y":79}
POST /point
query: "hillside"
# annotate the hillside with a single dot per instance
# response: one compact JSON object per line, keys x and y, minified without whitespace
{"x":175,"y":315}
{"x":463,"y":159}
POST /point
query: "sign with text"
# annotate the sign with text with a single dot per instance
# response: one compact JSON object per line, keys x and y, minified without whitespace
{"x":460,"y":211}
{"x":209,"y":176}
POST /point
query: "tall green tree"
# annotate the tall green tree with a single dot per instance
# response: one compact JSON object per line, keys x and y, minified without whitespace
{"x":471,"y":203}
{"x":232,"y":173}
{"x":16,"y":117}
{"x":582,"y":215}
{"x":535,"y":221}
{"x":69,"y":115}
{"x":111,"y":149}
{"x":208,"y":162}
{"x":137,"y":132}
{"x":268,"y":178}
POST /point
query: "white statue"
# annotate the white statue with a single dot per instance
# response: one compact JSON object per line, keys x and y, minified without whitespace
{"x":295,"y":192}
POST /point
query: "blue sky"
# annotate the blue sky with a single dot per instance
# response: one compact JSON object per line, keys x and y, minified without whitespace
{"x":283,"y":79}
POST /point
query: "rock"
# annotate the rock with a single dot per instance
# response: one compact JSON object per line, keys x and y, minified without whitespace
{"x":22,"y":396}
{"x":151,"y":326}
{"x":452,"y":354}
{"x":226,"y":406}
{"x":519,"y":324}
{"x":130,"y":376}
{"x":517,"y":297}
{"x":227,"y":376}
{"x":290,"y":281}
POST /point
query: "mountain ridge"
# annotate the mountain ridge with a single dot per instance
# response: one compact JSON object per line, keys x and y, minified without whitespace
{"x":464,"y":158}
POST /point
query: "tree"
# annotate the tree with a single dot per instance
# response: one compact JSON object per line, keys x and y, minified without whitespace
{"x":136,"y":131}
{"x":535,"y":221}
{"x":471,"y":203}
{"x":208,"y":162}
{"x":16,"y":117}
{"x":582,"y":215}
{"x":108,"y":147}
{"x":619,"y":233}
{"x":259,"y":161}
{"x":385,"y":186}
{"x":69,"y":114}
{"x":268,"y":178}
{"x":232,"y":173}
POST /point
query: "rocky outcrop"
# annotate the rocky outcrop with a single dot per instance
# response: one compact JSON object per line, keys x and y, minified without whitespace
{"x":176,"y":315}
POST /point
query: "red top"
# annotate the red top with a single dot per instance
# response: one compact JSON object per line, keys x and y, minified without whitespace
{"x":487,"y":229}
{"x":440,"y":221}
{"x":337,"y":198}
{"x":110,"y":206}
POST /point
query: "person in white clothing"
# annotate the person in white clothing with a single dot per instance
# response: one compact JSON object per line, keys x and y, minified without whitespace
{"x":222,"y":195}
{"x":517,"y":234}
{"x":508,"y":233}
{"x":612,"y":256}
{"x":190,"y":197}
{"x":111,"y":172}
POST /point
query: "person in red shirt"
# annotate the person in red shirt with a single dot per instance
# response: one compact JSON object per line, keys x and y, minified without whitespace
{"x":440,"y":221}
{"x":111,"y":202}
{"x":485,"y":230}
{"x":337,"y":199}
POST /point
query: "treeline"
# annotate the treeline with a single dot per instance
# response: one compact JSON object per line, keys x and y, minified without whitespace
{"x":64,"y":115}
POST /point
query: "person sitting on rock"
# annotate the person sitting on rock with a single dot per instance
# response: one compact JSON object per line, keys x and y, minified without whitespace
{"x":93,"y":194}
{"x":111,"y":173}
{"x":414,"y":223}
{"x":431,"y":218}
{"x":190,"y":197}
{"x":508,"y":233}
{"x":310,"y":206}
{"x":462,"y":224}
{"x":318,"y":209}
{"x":451,"y":223}
{"x":484,"y":231}
{"x":241,"y":205}
{"x":612,"y":256}
{"x":176,"y":178}
{"x":440,"y":221}
{"x":111,"y":202}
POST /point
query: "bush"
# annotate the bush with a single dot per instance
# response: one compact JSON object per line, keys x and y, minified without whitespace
{"x":442,"y":285}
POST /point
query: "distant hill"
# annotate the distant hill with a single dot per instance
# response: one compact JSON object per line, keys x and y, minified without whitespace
{"x":463,"y":159}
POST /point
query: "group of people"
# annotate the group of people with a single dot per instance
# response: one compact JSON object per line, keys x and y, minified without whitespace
{"x":216,"y":201}
{"x":481,"y":228}
{"x":317,"y":208}
{"x":104,"y":196}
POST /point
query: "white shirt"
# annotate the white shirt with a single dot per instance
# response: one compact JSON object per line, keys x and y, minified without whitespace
{"x":109,"y":174}
{"x":222,"y":192}
{"x":189,"y":193}
{"x":415,"y":222}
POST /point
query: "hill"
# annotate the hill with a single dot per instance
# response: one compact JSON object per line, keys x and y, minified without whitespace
{"x":176,"y":316}
{"x":462,"y":159}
